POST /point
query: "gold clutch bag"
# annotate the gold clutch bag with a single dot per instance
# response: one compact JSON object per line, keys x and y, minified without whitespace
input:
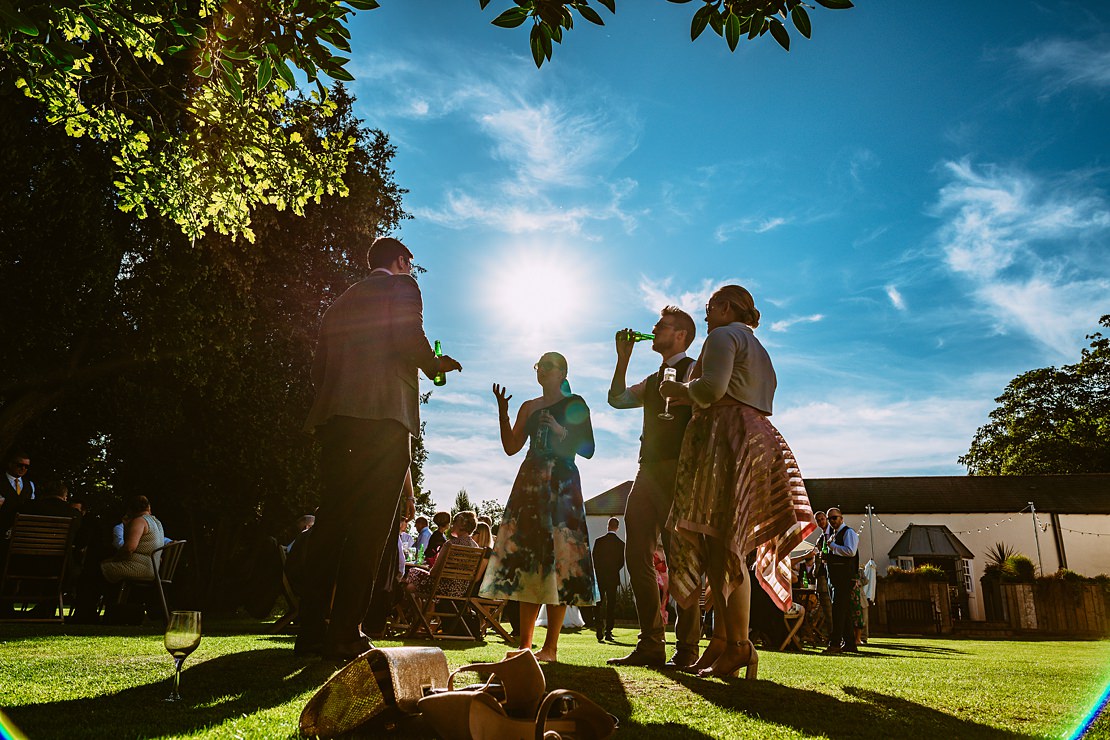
{"x":384,"y":684}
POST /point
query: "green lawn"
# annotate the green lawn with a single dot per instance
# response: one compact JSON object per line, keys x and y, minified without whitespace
{"x":77,"y":682}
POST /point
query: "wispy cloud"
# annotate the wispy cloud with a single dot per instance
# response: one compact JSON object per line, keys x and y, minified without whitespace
{"x":895,"y":297}
{"x":664,"y":292}
{"x":1029,"y":248}
{"x":550,"y":153}
{"x":1068,"y":63}
{"x":750,"y":225}
{"x":785,"y":324}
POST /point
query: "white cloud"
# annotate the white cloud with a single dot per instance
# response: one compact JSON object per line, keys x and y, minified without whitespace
{"x":895,"y":297}
{"x":868,"y":435}
{"x":1068,"y":62}
{"x":785,"y":324}
{"x":657,"y":293}
{"x":751,"y":225}
{"x":1029,"y":248}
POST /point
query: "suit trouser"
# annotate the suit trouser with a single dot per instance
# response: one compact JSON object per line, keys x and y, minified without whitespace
{"x":824,"y":595}
{"x":606,"y":608}
{"x":645,"y":517}
{"x":841,"y":581}
{"x":362,"y":467}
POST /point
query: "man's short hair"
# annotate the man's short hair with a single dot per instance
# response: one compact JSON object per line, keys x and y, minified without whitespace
{"x":421,"y":522}
{"x":682,"y":322}
{"x":614,"y":524}
{"x":384,"y":251}
{"x":17,"y":455}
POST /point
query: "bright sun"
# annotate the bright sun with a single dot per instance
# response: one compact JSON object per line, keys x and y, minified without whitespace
{"x":534,"y":292}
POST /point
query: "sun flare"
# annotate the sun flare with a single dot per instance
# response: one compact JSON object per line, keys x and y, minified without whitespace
{"x":538,"y":293}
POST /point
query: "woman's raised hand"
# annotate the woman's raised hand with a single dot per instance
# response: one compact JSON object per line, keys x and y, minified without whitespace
{"x":500,"y":393}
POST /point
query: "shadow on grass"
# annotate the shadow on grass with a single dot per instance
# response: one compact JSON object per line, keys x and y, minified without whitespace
{"x":816,"y":713}
{"x":215,"y":691}
{"x":914,"y":648}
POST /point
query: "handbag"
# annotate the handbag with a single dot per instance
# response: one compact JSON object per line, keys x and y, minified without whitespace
{"x":517,"y":708}
{"x":384,"y":685}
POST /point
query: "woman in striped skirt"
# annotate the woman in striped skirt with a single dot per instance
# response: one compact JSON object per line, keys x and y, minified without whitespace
{"x":739,"y":489}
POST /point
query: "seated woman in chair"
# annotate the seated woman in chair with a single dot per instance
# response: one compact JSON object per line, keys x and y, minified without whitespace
{"x":143,"y":534}
{"x":462,"y":527}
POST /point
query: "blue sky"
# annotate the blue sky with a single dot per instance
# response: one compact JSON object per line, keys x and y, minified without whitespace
{"x":916,"y":197}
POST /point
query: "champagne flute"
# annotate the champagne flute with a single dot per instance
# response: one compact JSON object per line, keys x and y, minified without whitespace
{"x":669,"y":373}
{"x":182,"y":638}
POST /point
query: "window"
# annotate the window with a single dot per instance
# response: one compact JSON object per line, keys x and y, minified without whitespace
{"x":965,"y":572}
{"x":905,"y":563}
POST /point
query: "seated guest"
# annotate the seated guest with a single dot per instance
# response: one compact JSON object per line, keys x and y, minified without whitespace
{"x":53,"y":500}
{"x":423,"y":533}
{"x":442,"y":520}
{"x":462,"y":527}
{"x":142,"y":536}
{"x":302,"y":524}
{"x":483,"y":535}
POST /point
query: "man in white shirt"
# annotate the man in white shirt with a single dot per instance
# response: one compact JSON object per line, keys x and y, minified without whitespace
{"x":649,"y":501}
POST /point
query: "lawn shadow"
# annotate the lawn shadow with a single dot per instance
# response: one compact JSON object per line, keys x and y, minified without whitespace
{"x":914,"y":648}
{"x":819,"y":714}
{"x":214,"y":691}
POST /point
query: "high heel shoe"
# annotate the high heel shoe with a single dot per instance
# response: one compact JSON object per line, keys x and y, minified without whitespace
{"x":749,"y":662}
{"x":712,"y":651}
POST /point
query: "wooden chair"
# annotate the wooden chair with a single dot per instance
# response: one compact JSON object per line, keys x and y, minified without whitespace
{"x":488,"y":611}
{"x":446,"y":603}
{"x":164,"y":561}
{"x":36,"y":562}
{"x":797,"y":615}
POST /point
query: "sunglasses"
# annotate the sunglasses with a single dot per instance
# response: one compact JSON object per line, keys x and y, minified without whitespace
{"x":546,"y":365}
{"x":22,"y":465}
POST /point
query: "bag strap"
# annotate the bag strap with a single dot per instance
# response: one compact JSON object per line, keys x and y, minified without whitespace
{"x":583,"y":702}
{"x":472,"y":668}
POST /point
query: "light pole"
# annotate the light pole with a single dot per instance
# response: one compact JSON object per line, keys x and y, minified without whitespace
{"x":1037,"y":537}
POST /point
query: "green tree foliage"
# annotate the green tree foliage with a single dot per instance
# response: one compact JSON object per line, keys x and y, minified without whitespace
{"x":732,"y":20}
{"x":493,"y":509}
{"x":462,"y":502}
{"x":180,"y":373}
{"x":1050,"y":420}
{"x":190,"y":96}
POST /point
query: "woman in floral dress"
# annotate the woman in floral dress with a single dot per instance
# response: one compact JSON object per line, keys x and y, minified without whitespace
{"x":542,"y":552}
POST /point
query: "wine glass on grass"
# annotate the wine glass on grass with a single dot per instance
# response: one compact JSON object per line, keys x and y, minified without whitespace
{"x":182,"y":638}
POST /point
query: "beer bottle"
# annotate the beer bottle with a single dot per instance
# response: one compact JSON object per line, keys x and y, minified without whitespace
{"x":635,"y":336}
{"x":440,"y":377}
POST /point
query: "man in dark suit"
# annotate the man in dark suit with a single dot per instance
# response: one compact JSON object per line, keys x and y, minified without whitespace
{"x":649,"y":501}
{"x":15,"y":491}
{"x":608,"y":561}
{"x":371,"y":345}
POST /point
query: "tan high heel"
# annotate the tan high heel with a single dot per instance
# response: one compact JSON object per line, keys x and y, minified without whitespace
{"x":712,"y":651}
{"x":521,"y":679}
{"x":749,"y":663}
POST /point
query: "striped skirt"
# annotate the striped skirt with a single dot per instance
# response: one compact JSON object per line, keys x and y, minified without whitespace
{"x":738,"y":489}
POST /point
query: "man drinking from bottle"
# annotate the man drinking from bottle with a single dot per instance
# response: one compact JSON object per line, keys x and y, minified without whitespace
{"x":649,"y":502}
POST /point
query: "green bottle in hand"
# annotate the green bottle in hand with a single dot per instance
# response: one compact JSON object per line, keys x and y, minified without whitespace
{"x":440,"y":377}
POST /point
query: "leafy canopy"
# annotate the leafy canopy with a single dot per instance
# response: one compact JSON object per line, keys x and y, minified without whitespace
{"x":1050,"y":420}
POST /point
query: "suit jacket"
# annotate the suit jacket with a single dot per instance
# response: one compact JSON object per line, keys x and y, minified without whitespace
{"x":53,"y":507}
{"x":13,"y":504}
{"x":371,"y":344}
{"x":608,"y":558}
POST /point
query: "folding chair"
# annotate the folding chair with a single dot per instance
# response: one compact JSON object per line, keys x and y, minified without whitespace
{"x":446,"y":603}
{"x":164,"y":561}
{"x":36,"y":562}
{"x":488,"y":611}
{"x":797,"y":615}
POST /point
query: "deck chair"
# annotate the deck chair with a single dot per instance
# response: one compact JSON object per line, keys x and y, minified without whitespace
{"x":164,"y":560}
{"x":36,"y":564}
{"x":488,"y":611}
{"x":441,"y":611}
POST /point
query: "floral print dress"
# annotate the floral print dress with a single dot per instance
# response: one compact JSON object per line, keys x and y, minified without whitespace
{"x":542,"y":553}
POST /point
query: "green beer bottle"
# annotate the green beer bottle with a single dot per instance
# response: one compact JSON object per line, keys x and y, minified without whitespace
{"x":635,"y":336}
{"x":440,"y":377}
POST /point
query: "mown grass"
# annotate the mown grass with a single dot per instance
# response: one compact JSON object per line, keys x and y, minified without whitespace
{"x":86,"y":682}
